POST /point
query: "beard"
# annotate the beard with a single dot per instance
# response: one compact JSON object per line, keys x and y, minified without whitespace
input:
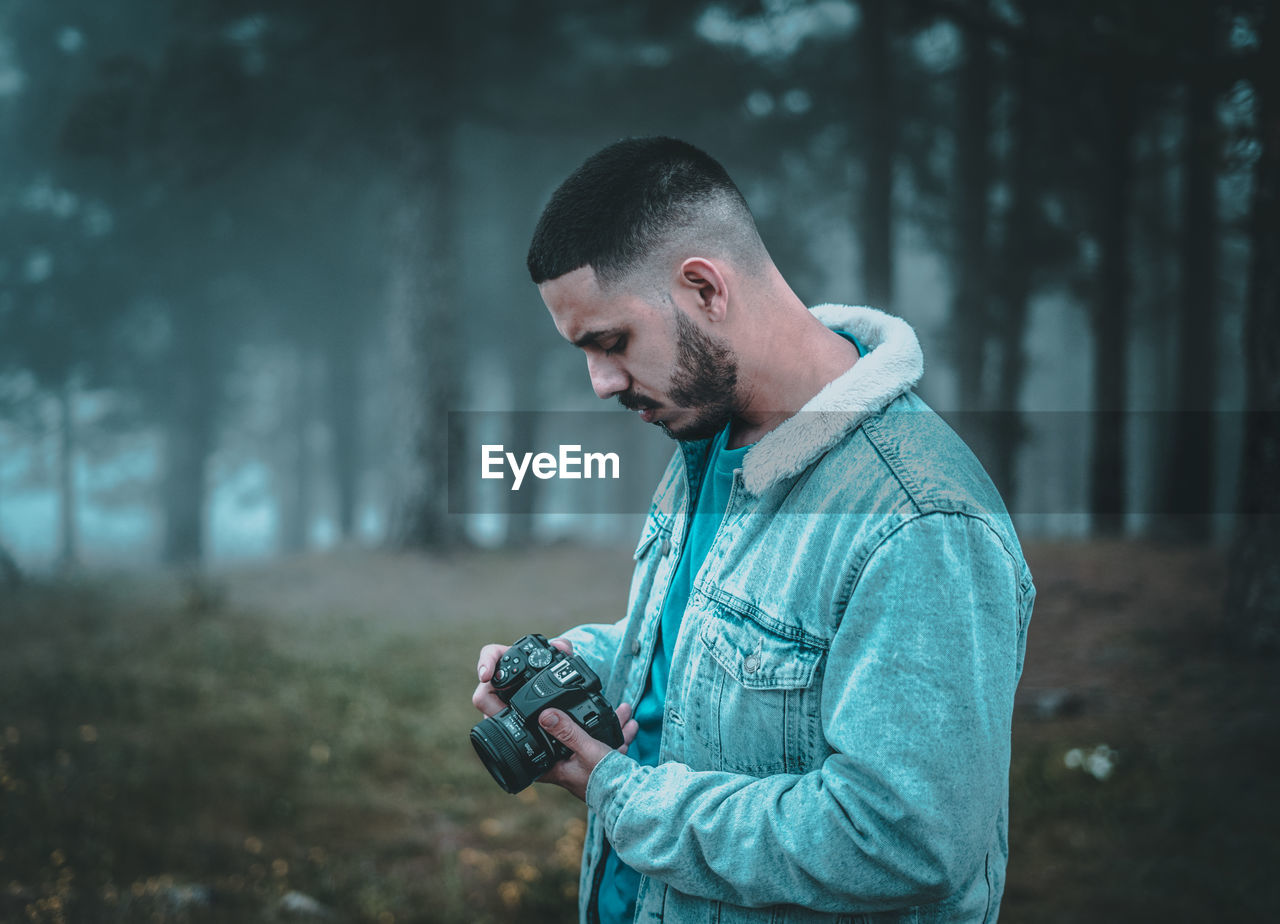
{"x":705,"y":380}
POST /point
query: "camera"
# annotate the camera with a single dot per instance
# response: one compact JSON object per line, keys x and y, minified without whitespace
{"x":532,"y":676}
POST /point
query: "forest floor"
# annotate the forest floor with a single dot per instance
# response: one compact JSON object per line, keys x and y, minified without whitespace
{"x":289,"y":740}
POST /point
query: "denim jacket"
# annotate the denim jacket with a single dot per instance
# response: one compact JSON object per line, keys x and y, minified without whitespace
{"x":835,"y":745}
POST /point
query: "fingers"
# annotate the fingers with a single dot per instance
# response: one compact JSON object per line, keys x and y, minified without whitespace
{"x":577,"y":739}
{"x":484,"y":698}
{"x":568,"y":775}
{"x":573,"y":736}
{"x":630,"y":728}
{"x":574,"y":772}
{"x":489,"y":657}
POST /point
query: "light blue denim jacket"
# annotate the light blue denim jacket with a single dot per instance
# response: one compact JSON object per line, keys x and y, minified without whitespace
{"x":836,"y":739}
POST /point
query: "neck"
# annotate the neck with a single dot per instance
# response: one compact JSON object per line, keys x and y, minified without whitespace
{"x":792,"y":358}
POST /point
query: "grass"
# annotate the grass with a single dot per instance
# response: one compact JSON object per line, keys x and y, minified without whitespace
{"x":167,"y":754}
{"x":179,"y":750}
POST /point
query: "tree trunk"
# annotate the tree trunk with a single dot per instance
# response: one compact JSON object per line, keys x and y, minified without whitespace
{"x":1014,"y":278}
{"x":297,"y":468}
{"x":1107,"y":489}
{"x":970,"y":319}
{"x":68,"y":532}
{"x":1188,"y":472}
{"x":10,"y":573}
{"x":1253,"y":584}
{"x":188,"y":442}
{"x":342,"y":378}
{"x":521,"y":504}
{"x":193,"y":403}
{"x":875,"y":216}
{"x":426,"y":316}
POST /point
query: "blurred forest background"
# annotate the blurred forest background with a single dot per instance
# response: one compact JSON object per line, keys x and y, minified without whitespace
{"x":253,"y":253}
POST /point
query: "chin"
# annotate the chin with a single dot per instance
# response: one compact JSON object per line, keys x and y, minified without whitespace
{"x":701,"y":428}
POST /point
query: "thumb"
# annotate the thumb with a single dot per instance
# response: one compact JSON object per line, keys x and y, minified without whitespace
{"x":568,"y":732}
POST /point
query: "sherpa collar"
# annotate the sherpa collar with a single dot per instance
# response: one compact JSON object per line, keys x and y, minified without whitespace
{"x":893,"y":364}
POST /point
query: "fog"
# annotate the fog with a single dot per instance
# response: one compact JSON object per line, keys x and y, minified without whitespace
{"x":263,"y":263}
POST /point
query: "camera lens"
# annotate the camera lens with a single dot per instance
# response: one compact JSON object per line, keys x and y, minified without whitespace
{"x":502,"y":757}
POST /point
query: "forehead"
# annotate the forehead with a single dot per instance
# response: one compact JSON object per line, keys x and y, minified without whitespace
{"x":580,"y":307}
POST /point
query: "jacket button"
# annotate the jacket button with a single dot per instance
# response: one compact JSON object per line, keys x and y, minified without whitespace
{"x":752,"y":664}
{"x":635,"y":646}
{"x":666,"y":546}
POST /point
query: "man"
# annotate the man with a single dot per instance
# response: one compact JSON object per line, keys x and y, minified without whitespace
{"x":829,"y":608}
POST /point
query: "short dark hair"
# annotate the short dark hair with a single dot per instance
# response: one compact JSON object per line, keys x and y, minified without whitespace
{"x":628,"y":198}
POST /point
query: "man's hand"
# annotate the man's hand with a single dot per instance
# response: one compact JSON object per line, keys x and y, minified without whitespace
{"x":574,"y":771}
{"x":484,"y":698}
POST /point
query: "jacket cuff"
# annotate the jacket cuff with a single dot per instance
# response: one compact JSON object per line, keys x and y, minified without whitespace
{"x":610,"y":785}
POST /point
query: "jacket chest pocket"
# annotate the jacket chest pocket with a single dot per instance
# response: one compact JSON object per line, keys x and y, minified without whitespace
{"x":762,"y":704}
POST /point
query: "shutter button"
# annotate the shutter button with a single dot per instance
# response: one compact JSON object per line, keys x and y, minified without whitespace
{"x":752,"y":664}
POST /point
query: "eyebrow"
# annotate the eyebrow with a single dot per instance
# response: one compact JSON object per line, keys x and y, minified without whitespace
{"x":593,"y":337}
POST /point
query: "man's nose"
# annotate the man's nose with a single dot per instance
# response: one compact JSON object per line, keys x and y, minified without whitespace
{"x":607,"y":376}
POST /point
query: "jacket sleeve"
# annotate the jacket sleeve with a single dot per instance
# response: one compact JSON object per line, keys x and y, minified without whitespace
{"x":597,"y":643}
{"x":916,"y":710}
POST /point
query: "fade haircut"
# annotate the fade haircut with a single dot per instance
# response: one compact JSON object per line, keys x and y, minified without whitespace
{"x":636,"y":199}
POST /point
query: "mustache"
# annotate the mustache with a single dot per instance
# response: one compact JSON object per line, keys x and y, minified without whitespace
{"x":633,"y":402}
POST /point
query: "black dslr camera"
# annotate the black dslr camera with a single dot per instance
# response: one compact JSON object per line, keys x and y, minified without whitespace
{"x":532,"y":676}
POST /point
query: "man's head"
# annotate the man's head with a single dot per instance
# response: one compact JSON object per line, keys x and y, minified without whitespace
{"x":635,"y":201}
{"x":638,"y":256}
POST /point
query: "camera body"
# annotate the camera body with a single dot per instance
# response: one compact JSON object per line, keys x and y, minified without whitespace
{"x":532,"y":676}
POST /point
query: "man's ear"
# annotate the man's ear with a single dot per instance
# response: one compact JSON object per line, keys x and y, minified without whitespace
{"x":703,"y":285}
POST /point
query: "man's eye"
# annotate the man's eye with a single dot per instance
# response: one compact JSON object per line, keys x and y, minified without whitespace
{"x":617,"y":346}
